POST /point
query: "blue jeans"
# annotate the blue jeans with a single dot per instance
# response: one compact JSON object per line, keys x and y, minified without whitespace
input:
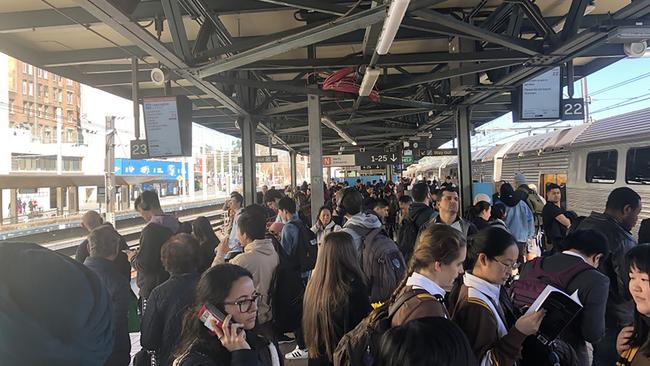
{"x":605,"y":351}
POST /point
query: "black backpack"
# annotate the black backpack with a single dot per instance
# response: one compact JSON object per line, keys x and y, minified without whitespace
{"x":306,"y":251}
{"x":358,"y":346}
{"x":406,"y":237}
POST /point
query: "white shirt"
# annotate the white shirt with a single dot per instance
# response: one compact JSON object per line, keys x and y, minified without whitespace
{"x":233,"y":242}
{"x":418,"y":281}
{"x":568,"y":252}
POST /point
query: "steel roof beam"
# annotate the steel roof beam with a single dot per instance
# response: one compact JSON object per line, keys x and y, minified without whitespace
{"x":516,"y":44}
{"x":309,"y":37}
{"x":176,"y":27}
{"x":446,"y":74}
{"x":114,"y":18}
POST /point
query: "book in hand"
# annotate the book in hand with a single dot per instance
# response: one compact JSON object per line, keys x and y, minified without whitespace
{"x":560,"y":308}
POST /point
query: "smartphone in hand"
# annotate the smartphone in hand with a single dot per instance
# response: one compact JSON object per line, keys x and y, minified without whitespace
{"x":211,"y":317}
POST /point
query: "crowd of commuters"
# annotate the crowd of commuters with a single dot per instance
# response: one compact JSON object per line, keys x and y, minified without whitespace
{"x":386,"y":274}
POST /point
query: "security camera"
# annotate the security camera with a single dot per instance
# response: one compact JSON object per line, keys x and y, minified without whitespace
{"x":159,"y":76}
{"x":635,"y":49}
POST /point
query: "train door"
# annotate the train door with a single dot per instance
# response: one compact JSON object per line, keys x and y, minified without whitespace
{"x":558,"y":178}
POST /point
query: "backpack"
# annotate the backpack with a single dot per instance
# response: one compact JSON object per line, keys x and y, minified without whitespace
{"x":406,"y":237}
{"x":536,"y":205}
{"x":525,"y":291}
{"x":306,"y":251}
{"x":382,"y":263}
{"x":357,"y":347}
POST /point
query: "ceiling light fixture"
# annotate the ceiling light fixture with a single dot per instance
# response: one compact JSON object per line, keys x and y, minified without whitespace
{"x":332,"y":125}
{"x":369,"y":81}
{"x":392,"y":22}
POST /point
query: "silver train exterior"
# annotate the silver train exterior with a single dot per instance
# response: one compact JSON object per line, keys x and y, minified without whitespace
{"x":615,"y":150}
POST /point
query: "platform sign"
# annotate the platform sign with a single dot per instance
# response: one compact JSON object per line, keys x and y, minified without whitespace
{"x":573,"y":109}
{"x":539,"y":99}
{"x":139,"y":149}
{"x":438,"y":152}
{"x":262,"y":159}
{"x":406,"y":160}
{"x":376,"y":158}
{"x":342,"y":160}
{"x":371,"y":167}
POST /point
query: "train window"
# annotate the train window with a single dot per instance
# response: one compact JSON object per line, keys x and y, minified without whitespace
{"x":601,"y":167}
{"x":637,"y":166}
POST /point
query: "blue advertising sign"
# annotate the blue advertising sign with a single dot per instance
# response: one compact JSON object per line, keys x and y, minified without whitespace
{"x":150,"y":168}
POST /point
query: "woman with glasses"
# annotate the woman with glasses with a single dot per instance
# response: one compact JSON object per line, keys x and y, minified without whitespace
{"x":336,"y":298}
{"x":229,"y":289}
{"x":483,"y":310}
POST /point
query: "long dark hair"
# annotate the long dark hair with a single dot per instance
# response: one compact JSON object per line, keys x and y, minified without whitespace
{"x":202,"y":230}
{"x":213,"y":287}
{"x":328,"y":291}
{"x":639,"y":258}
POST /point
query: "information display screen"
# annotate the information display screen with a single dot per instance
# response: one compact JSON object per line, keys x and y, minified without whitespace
{"x":168,"y":126}
{"x":539,"y":99}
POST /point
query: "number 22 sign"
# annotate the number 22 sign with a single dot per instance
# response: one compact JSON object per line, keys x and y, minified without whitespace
{"x":573,"y":109}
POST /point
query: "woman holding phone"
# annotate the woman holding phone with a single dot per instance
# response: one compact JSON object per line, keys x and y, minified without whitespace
{"x":227,"y":337}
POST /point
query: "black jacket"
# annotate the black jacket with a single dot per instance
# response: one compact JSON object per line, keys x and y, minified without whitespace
{"x":258,"y":355}
{"x":147,"y":261}
{"x":119,"y":288}
{"x":620,"y":307}
{"x":592,"y":287}
{"x":421,"y":213}
{"x":163,"y":317}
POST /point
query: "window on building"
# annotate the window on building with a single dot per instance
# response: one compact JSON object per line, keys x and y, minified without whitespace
{"x":70,"y":117}
{"x":31,"y":88}
{"x":46,"y":91}
{"x":39,"y":109}
{"x":68,"y":82}
{"x":57,"y":113}
{"x":30,"y":69}
{"x":60,"y":97}
{"x":601,"y":166}
{"x":25,"y":87}
{"x":40,"y":90}
{"x":637,"y":166}
{"x":69,"y":98}
{"x":39,"y":72}
{"x":46,"y":75}
{"x":11,"y":106}
{"x":24,"y":68}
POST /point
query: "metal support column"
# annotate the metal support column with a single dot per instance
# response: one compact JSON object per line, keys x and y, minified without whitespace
{"x":73,"y":200}
{"x":13,"y":206}
{"x":204,"y":173}
{"x":59,"y":201}
{"x":1,"y":207}
{"x":248,"y":127}
{"x":294,"y":168}
{"x":464,"y":157}
{"x":315,"y":154}
{"x":109,"y":171}
{"x":389,"y":172}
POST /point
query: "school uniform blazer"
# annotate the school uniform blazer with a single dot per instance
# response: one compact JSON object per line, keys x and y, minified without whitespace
{"x":478,"y":321}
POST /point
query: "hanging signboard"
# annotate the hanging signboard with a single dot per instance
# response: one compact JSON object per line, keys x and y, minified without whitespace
{"x":376,"y":158}
{"x":262,"y":159}
{"x":168,"y":125}
{"x":339,"y":160}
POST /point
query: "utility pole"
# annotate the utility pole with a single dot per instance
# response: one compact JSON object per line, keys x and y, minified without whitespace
{"x":585,"y":95}
{"x":109,"y":171}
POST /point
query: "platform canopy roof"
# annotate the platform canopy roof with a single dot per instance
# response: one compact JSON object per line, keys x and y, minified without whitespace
{"x":261,"y":58}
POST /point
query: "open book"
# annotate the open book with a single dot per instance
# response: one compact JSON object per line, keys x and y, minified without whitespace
{"x":560,"y":308}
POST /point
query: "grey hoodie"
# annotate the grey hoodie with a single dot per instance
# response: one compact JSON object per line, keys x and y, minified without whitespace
{"x":359,"y":225}
{"x":168,"y":221}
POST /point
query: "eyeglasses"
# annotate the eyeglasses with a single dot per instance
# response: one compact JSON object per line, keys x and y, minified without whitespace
{"x":512,"y":266}
{"x":245,"y":305}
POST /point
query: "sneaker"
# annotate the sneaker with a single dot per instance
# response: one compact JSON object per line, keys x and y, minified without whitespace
{"x":297,"y":354}
{"x":284,"y":339}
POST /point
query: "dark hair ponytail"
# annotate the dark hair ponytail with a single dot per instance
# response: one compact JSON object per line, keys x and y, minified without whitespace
{"x":639,"y":258}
